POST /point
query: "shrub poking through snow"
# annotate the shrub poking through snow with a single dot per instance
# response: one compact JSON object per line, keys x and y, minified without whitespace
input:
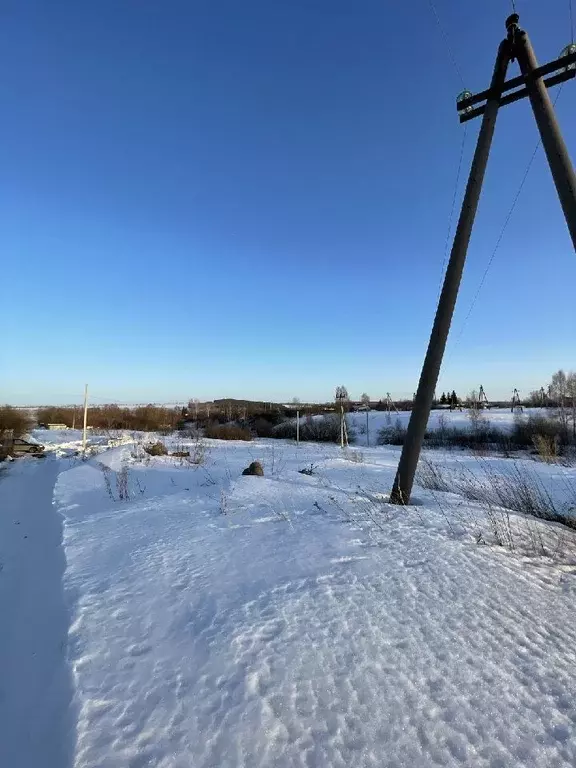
{"x":199,"y":452}
{"x":156,"y":449}
{"x":518,"y":488}
{"x":255,"y":468}
{"x":544,"y":432}
{"x":122,"y":486}
{"x":546,"y":447}
{"x":431,"y":476}
{"x":392,"y":434}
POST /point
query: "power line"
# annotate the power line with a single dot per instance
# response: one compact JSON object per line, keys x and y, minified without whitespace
{"x":500,"y":236}
{"x":458,"y":71}
{"x":451,"y":218}
{"x":447,"y":43}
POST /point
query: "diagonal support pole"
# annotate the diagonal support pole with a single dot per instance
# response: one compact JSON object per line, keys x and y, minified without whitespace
{"x":404,"y":481}
{"x":552,"y":141}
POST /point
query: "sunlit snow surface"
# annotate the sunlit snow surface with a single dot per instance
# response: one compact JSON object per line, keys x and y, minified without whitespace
{"x":221,"y":620}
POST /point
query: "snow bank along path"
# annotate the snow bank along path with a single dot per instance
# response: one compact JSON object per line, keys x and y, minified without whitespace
{"x":222,"y":620}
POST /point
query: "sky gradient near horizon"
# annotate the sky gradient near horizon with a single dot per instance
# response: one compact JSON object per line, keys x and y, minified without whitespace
{"x":212,"y":199}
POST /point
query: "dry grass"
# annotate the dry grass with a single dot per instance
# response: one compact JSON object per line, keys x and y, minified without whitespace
{"x":514,"y":488}
{"x":356,"y":457}
{"x":546,"y":447}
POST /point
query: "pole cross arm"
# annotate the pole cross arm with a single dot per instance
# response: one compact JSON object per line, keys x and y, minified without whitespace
{"x":566,"y":65}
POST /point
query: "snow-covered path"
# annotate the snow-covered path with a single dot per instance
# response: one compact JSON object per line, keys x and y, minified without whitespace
{"x":230,"y":621}
{"x":36,"y":721}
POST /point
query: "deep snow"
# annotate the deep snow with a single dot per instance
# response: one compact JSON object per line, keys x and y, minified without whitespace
{"x":298,"y":620}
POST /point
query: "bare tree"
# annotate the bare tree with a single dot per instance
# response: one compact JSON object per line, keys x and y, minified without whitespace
{"x":14,"y":420}
{"x":537,"y":397}
{"x":365,"y":399}
{"x":472,"y":401}
{"x":559,"y":391}
{"x":559,"y":385}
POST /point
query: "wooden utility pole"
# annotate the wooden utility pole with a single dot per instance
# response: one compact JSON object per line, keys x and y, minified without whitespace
{"x":85,"y":420}
{"x":297,"y":427}
{"x":515,"y":45}
{"x":552,"y":140}
{"x":367,"y":430}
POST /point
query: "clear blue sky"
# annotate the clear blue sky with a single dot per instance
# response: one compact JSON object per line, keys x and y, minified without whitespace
{"x":251,"y":199}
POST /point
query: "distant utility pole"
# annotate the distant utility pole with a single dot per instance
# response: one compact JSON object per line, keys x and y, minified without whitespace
{"x":297,"y":427}
{"x":341,"y":398}
{"x":483,"y":401}
{"x":390,"y":403}
{"x":85,"y":420}
{"x":516,"y":402}
{"x":530,"y":83}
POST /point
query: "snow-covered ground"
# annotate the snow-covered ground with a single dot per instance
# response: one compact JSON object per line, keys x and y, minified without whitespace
{"x":214,"y":619}
{"x":36,"y":687}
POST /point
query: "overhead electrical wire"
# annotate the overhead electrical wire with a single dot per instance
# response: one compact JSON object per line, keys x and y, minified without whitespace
{"x":510,"y":211}
{"x":458,"y":71}
{"x":453,"y":208}
{"x":447,"y":42}
{"x":500,"y":237}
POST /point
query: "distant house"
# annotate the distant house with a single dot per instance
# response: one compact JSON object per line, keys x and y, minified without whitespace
{"x":56,"y":426}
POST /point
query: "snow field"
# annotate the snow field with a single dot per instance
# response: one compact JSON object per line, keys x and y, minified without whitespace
{"x":221,"y":620}
{"x":498,"y":418}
